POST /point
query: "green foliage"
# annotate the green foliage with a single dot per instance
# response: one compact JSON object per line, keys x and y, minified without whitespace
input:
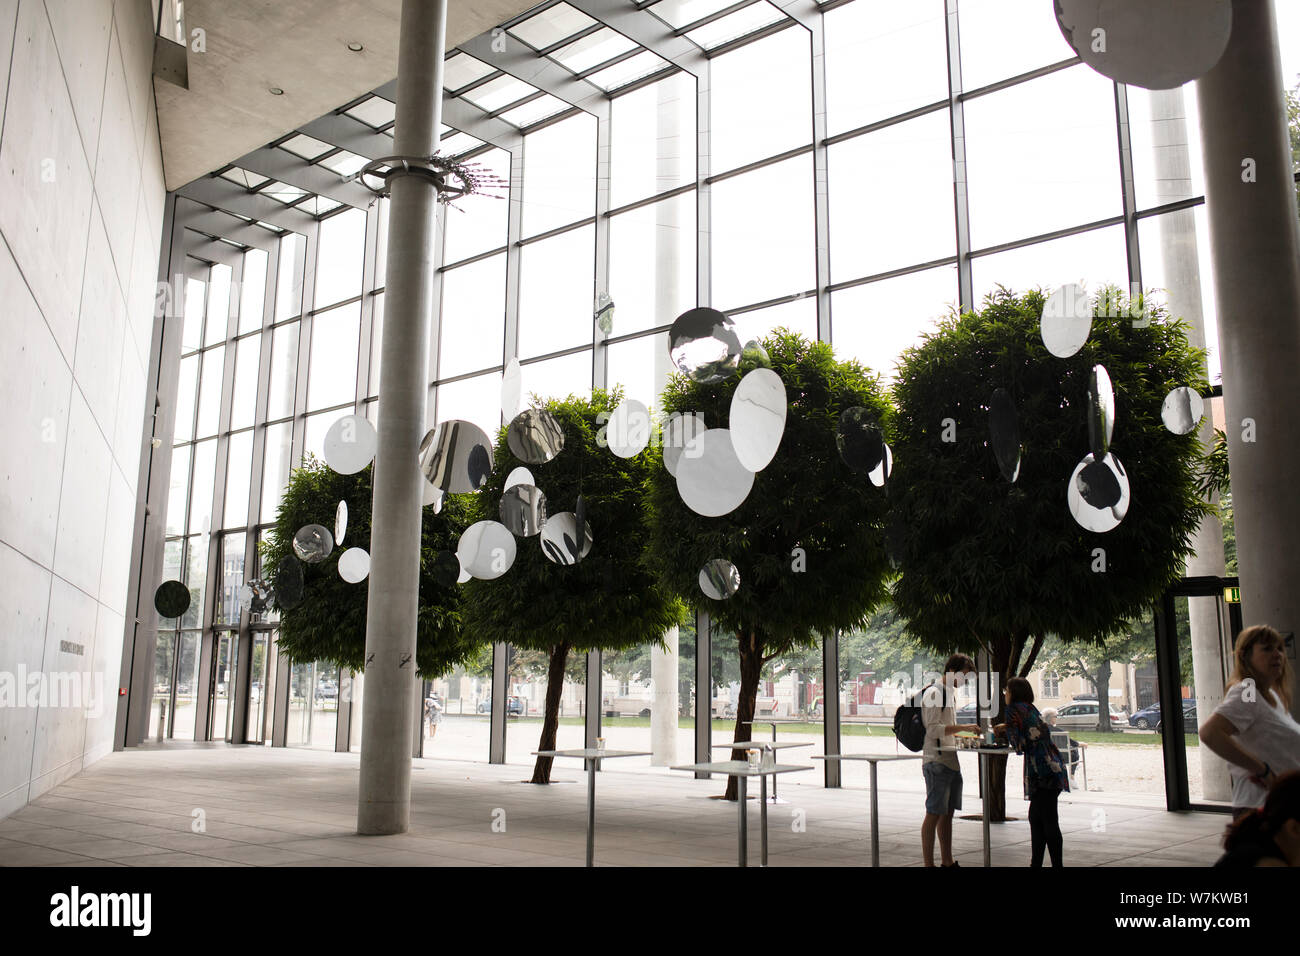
{"x":806,"y":498}
{"x":1293,"y":125}
{"x":1213,"y":479}
{"x":983,"y":558}
{"x":607,"y":600}
{"x":330,"y":623}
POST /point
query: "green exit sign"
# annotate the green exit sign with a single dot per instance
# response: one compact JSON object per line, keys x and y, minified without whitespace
{"x":1232,"y":595}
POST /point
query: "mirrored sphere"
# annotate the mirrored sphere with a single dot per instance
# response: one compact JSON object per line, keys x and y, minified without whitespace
{"x":172,"y":599}
{"x":880,"y":474}
{"x":535,"y":436}
{"x":512,"y":386}
{"x":714,"y":482}
{"x":313,"y":543}
{"x":1004,"y":433}
{"x":486,"y":550}
{"x":446,"y":568}
{"x":340,"y":522}
{"x":456,"y":457}
{"x":519,"y":476}
{"x":560,"y":541}
{"x":860,"y":442}
{"x":1098,"y":493}
{"x":288,"y":584}
{"x":679,"y":436}
{"x":1066,"y":321}
{"x":719,"y":579}
{"x":628,"y":430}
{"x":754,"y":355}
{"x":1182,"y":410}
{"x":757,"y":418}
{"x":354,"y":565}
{"x":523,"y":510}
{"x":703,"y":344}
{"x":350,"y":444}
{"x":1101,"y":411}
{"x":1155,"y":44}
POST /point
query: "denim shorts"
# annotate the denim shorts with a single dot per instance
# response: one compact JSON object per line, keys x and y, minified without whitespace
{"x":942,"y":788}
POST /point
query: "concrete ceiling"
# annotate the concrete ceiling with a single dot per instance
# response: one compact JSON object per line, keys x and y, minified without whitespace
{"x":299,"y":46}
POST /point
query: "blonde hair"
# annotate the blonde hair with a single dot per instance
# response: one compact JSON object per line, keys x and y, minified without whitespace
{"x":1242,"y":669}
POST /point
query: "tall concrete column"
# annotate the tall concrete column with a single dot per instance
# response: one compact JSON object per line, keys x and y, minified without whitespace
{"x":1255,"y":239}
{"x":663,"y":706}
{"x":384,"y":795}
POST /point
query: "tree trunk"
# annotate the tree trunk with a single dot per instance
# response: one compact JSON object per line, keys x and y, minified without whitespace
{"x":551,"y":722}
{"x":1005,"y":655}
{"x":1103,"y":697}
{"x":751,"y":666}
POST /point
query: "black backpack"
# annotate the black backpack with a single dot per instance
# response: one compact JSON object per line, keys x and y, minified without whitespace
{"x":908,"y":726}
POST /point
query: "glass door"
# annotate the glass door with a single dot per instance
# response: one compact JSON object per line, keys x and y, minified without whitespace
{"x":221,"y":712}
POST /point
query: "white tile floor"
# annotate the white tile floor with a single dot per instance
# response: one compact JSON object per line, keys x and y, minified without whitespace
{"x":285,"y":807}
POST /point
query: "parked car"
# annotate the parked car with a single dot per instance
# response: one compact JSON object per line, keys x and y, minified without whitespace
{"x":1146,"y":718}
{"x":1189,"y":718}
{"x":1083,"y":715}
{"x":514,"y":705}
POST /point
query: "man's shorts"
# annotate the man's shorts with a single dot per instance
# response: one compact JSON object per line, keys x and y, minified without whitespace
{"x":942,"y":788}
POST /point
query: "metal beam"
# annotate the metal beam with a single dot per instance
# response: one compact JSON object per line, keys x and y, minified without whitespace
{"x":465,"y":116}
{"x":649,"y":31}
{"x":546,"y":75}
{"x":210,"y":250}
{"x":295,"y":171}
{"x":223,"y":194}
{"x":214,"y":222}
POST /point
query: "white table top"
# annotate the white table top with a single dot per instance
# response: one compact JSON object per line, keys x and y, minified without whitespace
{"x":760,"y":744}
{"x":739,"y":768}
{"x":590,"y":753}
{"x":873,"y":758}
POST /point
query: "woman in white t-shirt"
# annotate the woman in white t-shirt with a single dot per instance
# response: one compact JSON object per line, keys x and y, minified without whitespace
{"x":1253,"y":728}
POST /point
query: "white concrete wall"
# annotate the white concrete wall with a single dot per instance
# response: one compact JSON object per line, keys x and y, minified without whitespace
{"x":81,"y":206}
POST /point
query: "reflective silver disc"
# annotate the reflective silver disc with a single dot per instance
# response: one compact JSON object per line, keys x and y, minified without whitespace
{"x":604,"y":313}
{"x":446,"y":568}
{"x":880,"y":474}
{"x":1066,"y":321}
{"x":313,"y":543}
{"x":255,"y":596}
{"x":860,"y":442}
{"x":560,"y":541}
{"x":628,"y":430}
{"x":340,"y":522}
{"x":354,"y":565}
{"x":512,"y":384}
{"x":703,"y":344}
{"x":1182,"y":410}
{"x":350,"y":444}
{"x":535,"y":436}
{"x":519,"y":476}
{"x":719,"y":579}
{"x":1101,"y":411}
{"x":456,"y":457}
{"x":1098,"y":493}
{"x":486,"y":550}
{"x":431,"y":496}
{"x":1004,"y":433}
{"x":679,"y":437}
{"x":172,"y":599}
{"x":523,"y":510}
{"x":757,"y":418}
{"x":288,"y":584}
{"x":714,"y":482}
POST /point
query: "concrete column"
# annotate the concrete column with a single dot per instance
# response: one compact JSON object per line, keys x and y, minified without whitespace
{"x":1255,"y":239}
{"x":663,"y":709}
{"x":384,"y":794}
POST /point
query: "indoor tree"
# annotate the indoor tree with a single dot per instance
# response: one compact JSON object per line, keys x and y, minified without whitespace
{"x":988,"y":563}
{"x":808,"y":539}
{"x":608,"y":600}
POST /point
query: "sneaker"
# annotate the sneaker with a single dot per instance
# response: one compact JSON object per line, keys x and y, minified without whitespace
{"x":953,"y":865}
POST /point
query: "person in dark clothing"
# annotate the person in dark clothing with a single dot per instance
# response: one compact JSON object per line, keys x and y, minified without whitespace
{"x":1269,"y":836}
{"x":1045,"y":775}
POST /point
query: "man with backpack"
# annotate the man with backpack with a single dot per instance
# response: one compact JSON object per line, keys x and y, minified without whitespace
{"x":938,"y":719}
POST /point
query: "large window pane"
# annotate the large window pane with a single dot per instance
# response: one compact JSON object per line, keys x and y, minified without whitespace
{"x":196,"y":578}
{"x":891,"y":198}
{"x":288,"y":284}
{"x":218,"y":319}
{"x":275,"y":469}
{"x":559,"y":174}
{"x":333,"y":375}
{"x":214,"y":361}
{"x":187,"y":685}
{"x":1042,"y":156}
{"x":192,"y":332}
{"x":652,"y":264}
{"x":205,"y":464}
{"x":1002,"y":38}
{"x":1092,"y":258}
{"x":761,"y":99}
{"x":873,"y":323}
{"x":284,"y":371}
{"x":239,"y":468}
{"x":476,"y":400}
{"x":376,"y":345}
{"x":641,"y":366}
{"x":763,"y":241}
{"x":313,"y":441}
{"x":556,"y":306}
{"x":338,"y":263}
{"x":186,"y":387}
{"x":559,"y":377}
{"x":178,"y":491}
{"x":652,"y":139}
{"x":1166,"y":135}
{"x":798,"y":316}
{"x":883,"y":58}
{"x":1176,"y":262}
{"x":478,"y":223}
{"x":252,"y":291}
{"x":243,"y":401}
{"x":472,"y":327}
{"x":232,"y":577}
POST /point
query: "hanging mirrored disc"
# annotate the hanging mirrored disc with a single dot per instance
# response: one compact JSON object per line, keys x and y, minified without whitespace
{"x":456,"y":457}
{"x":1066,"y":321}
{"x":446,"y":568}
{"x":1004,"y":433}
{"x":354,"y":565}
{"x":535,"y":436}
{"x":340,"y":522}
{"x":431,"y":496}
{"x":605,"y":313}
{"x":172,"y":599}
{"x":860,"y":442}
{"x":486,"y":550}
{"x":679,"y":436}
{"x":714,"y":482}
{"x":313,"y":543}
{"x":719,"y":579}
{"x":288,"y":584}
{"x":1098,"y":493}
{"x":464,"y":574}
{"x":754,"y":355}
{"x":703,"y":344}
{"x":628,"y":430}
{"x":523,"y":510}
{"x":245,"y":598}
{"x":880,"y":474}
{"x":350,"y":444}
{"x":1155,"y":44}
{"x":757,"y":418}
{"x":1101,"y":411}
{"x":519,"y":476}
{"x":255,"y":596}
{"x":512,"y":386}
{"x":560,"y":538}
{"x":1182,"y":410}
